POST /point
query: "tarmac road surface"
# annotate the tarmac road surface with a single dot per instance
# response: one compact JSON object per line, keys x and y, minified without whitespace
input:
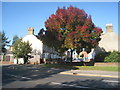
{"x":36,"y":76}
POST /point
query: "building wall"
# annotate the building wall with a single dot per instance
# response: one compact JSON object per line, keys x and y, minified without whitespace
{"x":109,"y":40}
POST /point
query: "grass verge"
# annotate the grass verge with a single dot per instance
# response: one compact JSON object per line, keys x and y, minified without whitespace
{"x":104,"y":68}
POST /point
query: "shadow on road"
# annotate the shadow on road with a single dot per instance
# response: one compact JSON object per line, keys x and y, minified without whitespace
{"x":86,"y":85}
{"x":13,"y":73}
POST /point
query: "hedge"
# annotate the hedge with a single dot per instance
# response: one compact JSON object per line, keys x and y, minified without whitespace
{"x":108,"y":57}
{"x":113,"y":57}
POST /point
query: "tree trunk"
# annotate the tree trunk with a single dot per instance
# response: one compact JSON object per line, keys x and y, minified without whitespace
{"x":17,"y":60}
{"x":71,"y":56}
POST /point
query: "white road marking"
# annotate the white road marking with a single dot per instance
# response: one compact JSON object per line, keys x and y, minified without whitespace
{"x":36,"y":70}
{"x":12,"y":75}
{"x":110,"y":81}
{"x":26,"y":77}
{"x":18,"y":76}
{"x":49,"y":71}
{"x":69,"y":85}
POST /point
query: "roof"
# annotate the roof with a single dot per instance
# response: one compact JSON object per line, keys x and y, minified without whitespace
{"x":36,"y":44}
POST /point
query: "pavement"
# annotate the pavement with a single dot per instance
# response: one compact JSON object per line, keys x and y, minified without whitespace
{"x":96,"y":73}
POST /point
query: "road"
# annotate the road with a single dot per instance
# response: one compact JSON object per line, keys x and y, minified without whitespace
{"x":37,"y":76}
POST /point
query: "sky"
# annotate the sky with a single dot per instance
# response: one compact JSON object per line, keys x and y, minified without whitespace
{"x":17,"y":17}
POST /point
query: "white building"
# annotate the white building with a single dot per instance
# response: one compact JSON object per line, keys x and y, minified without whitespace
{"x":36,"y":44}
{"x":109,"y":40}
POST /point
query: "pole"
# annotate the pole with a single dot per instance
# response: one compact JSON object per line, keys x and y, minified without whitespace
{"x":71,"y":56}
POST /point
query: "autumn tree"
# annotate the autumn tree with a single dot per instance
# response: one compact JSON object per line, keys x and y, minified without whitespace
{"x":72,"y":28}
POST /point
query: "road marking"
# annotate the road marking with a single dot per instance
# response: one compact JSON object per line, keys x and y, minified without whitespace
{"x":12,"y":75}
{"x":69,"y":85}
{"x":110,"y":81}
{"x":36,"y":70}
{"x":96,"y":75}
{"x":18,"y":76}
{"x":25,"y":77}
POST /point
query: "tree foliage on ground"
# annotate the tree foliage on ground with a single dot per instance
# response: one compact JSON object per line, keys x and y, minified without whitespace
{"x":15,"y":38}
{"x":3,"y":42}
{"x":70,"y":28}
{"x":21,"y":49}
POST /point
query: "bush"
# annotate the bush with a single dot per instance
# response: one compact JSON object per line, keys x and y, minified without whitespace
{"x":101,"y":56}
{"x":108,"y":57}
{"x":113,"y":57}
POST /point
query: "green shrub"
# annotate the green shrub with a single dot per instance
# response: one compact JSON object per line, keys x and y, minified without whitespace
{"x":101,"y":56}
{"x":113,"y":57}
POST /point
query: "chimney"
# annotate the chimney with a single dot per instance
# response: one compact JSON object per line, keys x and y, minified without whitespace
{"x":109,"y":28}
{"x":30,"y":31}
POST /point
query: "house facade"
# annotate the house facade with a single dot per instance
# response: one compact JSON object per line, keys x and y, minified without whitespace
{"x":36,"y":45}
{"x":109,"y":40}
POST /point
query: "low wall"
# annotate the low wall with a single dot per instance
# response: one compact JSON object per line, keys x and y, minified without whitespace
{"x":6,"y":62}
